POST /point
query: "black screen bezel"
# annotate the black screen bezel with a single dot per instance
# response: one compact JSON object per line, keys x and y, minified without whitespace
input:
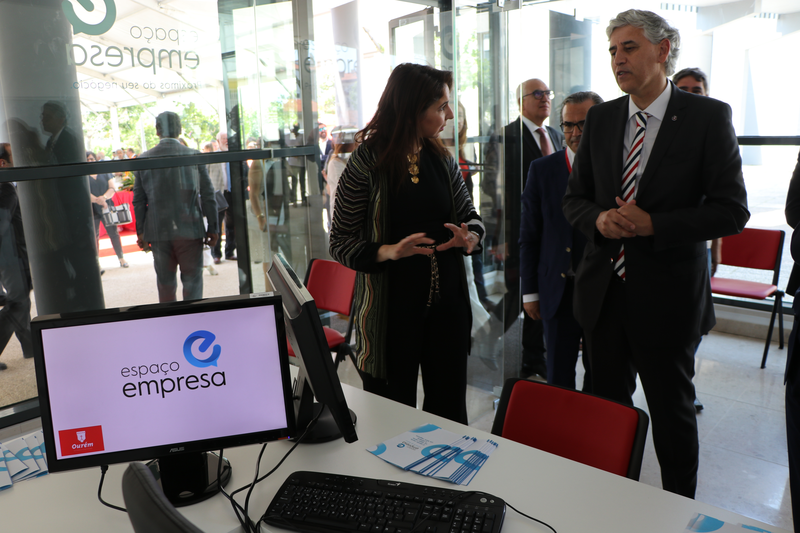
{"x":307,"y":336}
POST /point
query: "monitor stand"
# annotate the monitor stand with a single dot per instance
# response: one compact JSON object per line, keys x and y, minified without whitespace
{"x":190,"y":477}
{"x":325,"y":430}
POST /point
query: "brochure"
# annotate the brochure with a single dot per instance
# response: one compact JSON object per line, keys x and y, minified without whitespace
{"x":435,"y":452}
{"x":704,"y":523}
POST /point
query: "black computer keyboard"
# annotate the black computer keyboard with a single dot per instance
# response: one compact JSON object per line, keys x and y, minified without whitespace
{"x":315,"y":502}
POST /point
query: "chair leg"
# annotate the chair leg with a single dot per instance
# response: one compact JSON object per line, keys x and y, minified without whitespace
{"x":769,"y":331}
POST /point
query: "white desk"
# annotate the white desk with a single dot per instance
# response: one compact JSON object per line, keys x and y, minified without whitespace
{"x":571,"y":497}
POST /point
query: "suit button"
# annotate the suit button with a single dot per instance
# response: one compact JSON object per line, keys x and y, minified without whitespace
{"x":568,"y":249}
{"x":563,"y":275}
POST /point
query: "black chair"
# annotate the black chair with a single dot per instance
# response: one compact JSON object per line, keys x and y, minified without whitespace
{"x":148,"y":509}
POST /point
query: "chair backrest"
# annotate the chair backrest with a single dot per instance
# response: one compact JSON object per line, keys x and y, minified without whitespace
{"x":148,"y":509}
{"x":574,"y":425}
{"x":754,"y":248}
{"x":331,"y":284}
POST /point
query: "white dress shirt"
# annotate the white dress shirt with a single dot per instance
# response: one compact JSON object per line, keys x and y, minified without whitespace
{"x":656,"y":110}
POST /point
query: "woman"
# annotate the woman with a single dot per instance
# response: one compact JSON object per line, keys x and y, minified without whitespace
{"x":101,"y":190}
{"x":403,"y":219}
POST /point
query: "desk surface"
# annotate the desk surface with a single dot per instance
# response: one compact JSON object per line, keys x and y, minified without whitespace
{"x":569,"y":496}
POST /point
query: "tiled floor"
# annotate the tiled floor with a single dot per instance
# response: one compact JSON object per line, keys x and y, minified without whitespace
{"x":743,"y":458}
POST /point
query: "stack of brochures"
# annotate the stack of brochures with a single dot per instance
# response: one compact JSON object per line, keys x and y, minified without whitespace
{"x":704,"y":523}
{"x":432,"y":451}
{"x":22,"y":458}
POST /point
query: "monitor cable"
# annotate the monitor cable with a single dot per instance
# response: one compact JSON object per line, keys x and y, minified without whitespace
{"x":103,"y":470}
{"x":242,"y":512}
{"x":532,"y":518}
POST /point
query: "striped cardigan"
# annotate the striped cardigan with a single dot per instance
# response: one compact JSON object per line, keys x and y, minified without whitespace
{"x":360,"y":227}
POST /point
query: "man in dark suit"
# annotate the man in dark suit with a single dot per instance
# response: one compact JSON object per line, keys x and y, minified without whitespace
{"x":537,"y":139}
{"x":550,"y":249}
{"x":170,"y":204}
{"x":642,"y":291}
{"x":62,"y":144}
{"x":15,"y":271}
{"x":792,"y":376}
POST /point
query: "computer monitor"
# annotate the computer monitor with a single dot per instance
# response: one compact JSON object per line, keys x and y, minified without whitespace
{"x":317,"y":376}
{"x":167,"y":382}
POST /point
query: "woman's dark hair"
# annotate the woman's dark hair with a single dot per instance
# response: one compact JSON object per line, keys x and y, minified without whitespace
{"x":392,"y":133}
{"x":90,"y":153}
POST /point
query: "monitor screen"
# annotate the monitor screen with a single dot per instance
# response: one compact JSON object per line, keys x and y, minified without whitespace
{"x":163,"y":381}
{"x":317,"y":376}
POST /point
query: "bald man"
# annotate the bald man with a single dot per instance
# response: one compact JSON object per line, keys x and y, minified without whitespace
{"x":537,"y":139}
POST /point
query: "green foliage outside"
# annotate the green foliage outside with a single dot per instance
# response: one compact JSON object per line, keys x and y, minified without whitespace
{"x":198,"y":127}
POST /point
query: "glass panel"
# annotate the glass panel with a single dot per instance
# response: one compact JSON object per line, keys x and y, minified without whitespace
{"x":266,"y":83}
{"x":481,"y":112}
{"x":105,"y":76}
{"x":371,"y":38}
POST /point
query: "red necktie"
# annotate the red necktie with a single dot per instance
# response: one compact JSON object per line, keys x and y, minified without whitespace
{"x":629,"y":179}
{"x":544,"y":142}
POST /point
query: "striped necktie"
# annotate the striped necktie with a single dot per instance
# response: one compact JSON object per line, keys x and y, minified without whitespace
{"x":629,"y":179}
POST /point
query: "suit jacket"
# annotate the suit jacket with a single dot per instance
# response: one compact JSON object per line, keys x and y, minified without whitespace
{"x":693,"y":189}
{"x":66,"y":149}
{"x":170,"y":203}
{"x":547,"y":243}
{"x":793,"y":219}
{"x":516,"y":177}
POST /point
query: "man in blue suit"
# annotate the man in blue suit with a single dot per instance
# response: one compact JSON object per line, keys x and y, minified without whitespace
{"x":550,"y":249}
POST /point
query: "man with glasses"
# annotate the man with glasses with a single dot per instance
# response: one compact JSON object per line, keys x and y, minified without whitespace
{"x":550,"y":249}
{"x":694,"y":80}
{"x":526,"y":139}
{"x":657,"y":174}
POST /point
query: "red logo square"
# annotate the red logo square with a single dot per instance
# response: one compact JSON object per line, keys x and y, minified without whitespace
{"x":81,"y":440}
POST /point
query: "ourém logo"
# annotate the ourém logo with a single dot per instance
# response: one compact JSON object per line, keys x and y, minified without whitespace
{"x":207,"y":340}
{"x":80,"y":26}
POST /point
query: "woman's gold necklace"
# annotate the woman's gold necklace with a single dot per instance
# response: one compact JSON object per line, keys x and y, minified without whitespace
{"x":413,"y":169}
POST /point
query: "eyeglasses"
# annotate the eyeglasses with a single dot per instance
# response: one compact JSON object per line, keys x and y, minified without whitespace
{"x":567,"y":127}
{"x":540,"y":94}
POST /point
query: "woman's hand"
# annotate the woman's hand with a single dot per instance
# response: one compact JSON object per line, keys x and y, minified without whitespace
{"x":462,"y":237}
{"x":99,"y":200}
{"x":405,"y":248}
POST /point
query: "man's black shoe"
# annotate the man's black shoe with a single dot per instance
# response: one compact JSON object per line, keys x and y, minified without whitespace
{"x":698,"y":406}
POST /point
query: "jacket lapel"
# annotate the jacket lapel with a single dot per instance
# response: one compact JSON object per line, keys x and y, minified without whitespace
{"x":530,"y":145}
{"x":617,"y":139}
{"x":673,"y":118}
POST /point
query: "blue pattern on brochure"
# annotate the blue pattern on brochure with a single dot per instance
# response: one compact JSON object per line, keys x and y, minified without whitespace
{"x":427,"y":428}
{"x":435,"y":452}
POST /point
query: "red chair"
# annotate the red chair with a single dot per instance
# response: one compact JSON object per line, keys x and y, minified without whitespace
{"x":331,"y":284}
{"x":572,"y":424}
{"x":759,"y":249}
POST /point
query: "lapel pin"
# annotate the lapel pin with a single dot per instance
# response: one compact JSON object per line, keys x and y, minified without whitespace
{"x":674,"y":118}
